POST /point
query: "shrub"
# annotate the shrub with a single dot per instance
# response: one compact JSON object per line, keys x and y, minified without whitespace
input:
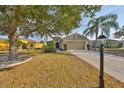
{"x":49,"y":50}
{"x":65,"y":47}
{"x":50,"y":47}
{"x":120,"y":45}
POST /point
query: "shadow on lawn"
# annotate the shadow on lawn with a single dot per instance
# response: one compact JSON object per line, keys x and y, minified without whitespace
{"x":64,"y":53}
{"x":7,"y":69}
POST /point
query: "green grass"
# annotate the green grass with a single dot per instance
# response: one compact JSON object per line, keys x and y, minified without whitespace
{"x":26,"y":51}
{"x":54,"y":70}
{"x":30,"y":51}
{"x":115,"y":51}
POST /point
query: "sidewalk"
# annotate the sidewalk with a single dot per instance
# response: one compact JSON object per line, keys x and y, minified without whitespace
{"x":114,"y":65}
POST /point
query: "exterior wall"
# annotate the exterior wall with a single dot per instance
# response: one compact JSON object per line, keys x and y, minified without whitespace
{"x":4,"y":46}
{"x":37,"y":45}
{"x":86,"y":43}
{"x":123,"y":44}
{"x":33,"y":44}
{"x":61,"y":44}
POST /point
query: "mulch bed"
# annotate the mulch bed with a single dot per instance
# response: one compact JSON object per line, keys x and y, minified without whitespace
{"x":5,"y":62}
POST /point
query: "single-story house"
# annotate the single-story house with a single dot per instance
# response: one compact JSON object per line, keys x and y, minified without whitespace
{"x":109,"y":43}
{"x":23,"y":44}
{"x":73,"y":41}
{"x":3,"y":44}
{"x":35,"y":44}
{"x":122,"y":43}
{"x":26,"y":44}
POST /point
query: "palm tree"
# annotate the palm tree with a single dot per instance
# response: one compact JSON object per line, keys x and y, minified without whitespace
{"x":105,"y":23}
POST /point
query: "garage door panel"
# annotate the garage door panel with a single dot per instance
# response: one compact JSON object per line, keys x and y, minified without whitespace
{"x":73,"y":45}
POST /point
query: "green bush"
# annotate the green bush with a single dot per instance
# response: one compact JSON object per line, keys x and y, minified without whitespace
{"x":50,"y":47}
{"x":65,"y":47}
{"x":120,"y":45}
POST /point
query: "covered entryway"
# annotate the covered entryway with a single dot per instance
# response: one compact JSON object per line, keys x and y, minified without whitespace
{"x":24,"y":46}
{"x":57,"y":45}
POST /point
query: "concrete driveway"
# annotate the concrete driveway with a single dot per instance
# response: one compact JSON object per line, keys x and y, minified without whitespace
{"x":114,"y":65}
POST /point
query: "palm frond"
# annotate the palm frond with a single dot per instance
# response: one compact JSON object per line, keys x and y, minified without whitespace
{"x":89,"y":31}
{"x":91,"y":22}
{"x":109,"y":17}
{"x":85,"y":31}
{"x":106,"y":30}
{"x":111,"y":24}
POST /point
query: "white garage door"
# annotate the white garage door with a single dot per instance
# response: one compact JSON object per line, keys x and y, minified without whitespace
{"x":75,"y":45}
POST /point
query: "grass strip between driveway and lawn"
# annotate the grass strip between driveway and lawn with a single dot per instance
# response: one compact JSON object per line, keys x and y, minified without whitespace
{"x":55,"y":70}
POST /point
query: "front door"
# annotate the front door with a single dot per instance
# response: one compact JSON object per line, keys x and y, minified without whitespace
{"x":57,"y":45}
{"x":24,"y":46}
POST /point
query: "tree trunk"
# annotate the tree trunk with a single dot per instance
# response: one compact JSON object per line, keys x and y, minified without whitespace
{"x":12,"y":47}
{"x":97,"y":30}
{"x":96,"y":41}
{"x":12,"y":33}
{"x":96,"y":44}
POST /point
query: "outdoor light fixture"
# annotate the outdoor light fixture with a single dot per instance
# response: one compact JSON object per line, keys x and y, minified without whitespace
{"x":101,"y":39}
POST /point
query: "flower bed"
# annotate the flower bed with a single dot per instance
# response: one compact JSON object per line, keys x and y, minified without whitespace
{"x":5,"y":63}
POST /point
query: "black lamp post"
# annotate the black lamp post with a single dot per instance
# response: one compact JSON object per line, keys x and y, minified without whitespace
{"x":101,"y":38}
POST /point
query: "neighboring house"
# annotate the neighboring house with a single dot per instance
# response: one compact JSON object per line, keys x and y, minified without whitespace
{"x":3,"y":44}
{"x":109,"y":43}
{"x":74,"y":41}
{"x":122,"y":43}
{"x":27,"y":44}
{"x":35,"y":44}
{"x":22,"y":44}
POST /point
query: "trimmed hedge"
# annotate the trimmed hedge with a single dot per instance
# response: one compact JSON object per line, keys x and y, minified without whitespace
{"x":50,"y":47}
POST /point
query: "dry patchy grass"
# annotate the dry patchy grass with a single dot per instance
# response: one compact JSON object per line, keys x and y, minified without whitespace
{"x":30,"y":51}
{"x":54,"y":70}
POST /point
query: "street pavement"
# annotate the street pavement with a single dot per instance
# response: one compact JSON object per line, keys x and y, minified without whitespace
{"x":113,"y":65}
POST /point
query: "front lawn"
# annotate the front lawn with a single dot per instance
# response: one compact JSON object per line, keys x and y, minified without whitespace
{"x":115,"y":51}
{"x":54,"y":70}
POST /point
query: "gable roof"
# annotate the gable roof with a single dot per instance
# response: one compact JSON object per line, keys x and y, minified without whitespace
{"x":56,"y":38}
{"x":74,"y":36}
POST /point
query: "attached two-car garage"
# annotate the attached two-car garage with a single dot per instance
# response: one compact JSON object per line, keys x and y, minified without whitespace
{"x":75,"y":45}
{"x":74,"y":41}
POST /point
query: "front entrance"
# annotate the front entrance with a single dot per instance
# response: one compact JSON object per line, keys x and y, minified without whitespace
{"x":24,"y":46}
{"x":57,"y":45}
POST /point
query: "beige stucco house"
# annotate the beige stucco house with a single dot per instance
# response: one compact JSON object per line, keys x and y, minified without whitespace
{"x":74,"y":41}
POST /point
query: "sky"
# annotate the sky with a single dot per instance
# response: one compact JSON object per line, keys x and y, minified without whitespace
{"x":106,"y":9}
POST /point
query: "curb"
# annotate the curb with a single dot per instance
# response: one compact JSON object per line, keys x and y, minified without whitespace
{"x":15,"y":64}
